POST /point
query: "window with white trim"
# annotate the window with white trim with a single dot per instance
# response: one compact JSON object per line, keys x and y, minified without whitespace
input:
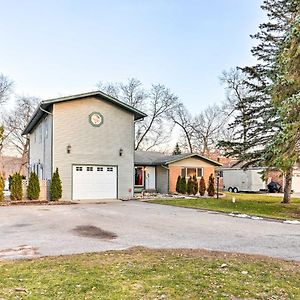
{"x":100,"y":169}
{"x":190,"y":172}
{"x":78,"y":168}
{"x":109,"y":169}
{"x":89,"y":168}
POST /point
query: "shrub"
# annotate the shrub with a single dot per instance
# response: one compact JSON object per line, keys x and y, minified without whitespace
{"x":16,"y":191}
{"x":9,"y":181}
{"x":2,"y":184}
{"x":202,"y":187}
{"x":183,"y":185}
{"x":195,"y":185}
{"x":211,"y":186}
{"x":189,"y":187}
{"x":33,"y":190}
{"x":178,"y":184}
{"x":55,"y":187}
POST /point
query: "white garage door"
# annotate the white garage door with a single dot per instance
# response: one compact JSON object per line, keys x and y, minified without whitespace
{"x":94,"y":182}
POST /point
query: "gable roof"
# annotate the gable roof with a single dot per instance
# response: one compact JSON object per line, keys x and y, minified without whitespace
{"x":150,"y":158}
{"x":46,"y":104}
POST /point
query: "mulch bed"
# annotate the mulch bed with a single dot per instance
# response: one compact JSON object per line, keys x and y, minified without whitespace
{"x":34,"y":202}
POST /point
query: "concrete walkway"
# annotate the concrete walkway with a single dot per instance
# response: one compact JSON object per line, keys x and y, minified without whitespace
{"x":30,"y":231}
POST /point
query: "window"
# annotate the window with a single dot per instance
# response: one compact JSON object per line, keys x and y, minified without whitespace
{"x":199,"y":172}
{"x":139,"y":176}
{"x":99,"y":169}
{"x":190,"y":172}
{"x":89,"y":168}
{"x":78,"y":168}
{"x":109,"y":169}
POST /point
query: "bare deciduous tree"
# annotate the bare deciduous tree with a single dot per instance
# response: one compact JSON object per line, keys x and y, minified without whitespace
{"x":182,"y":118}
{"x":16,"y":121}
{"x":154,"y":130}
{"x":208,"y":128}
{"x":6,"y":86}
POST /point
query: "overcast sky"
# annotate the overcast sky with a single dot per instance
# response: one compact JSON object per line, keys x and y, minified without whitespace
{"x":54,"y":48}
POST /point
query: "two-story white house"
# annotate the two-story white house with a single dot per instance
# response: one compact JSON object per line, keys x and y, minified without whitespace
{"x":90,"y":139}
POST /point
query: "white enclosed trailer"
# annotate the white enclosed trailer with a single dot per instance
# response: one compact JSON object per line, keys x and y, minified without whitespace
{"x":236,"y":180}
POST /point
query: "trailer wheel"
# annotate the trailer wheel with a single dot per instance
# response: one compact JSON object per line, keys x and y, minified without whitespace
{"x":235,"y":190}
{"x":230,"y":190}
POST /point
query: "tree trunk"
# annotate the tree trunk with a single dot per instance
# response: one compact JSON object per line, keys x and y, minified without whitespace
{"x":288,"y":186}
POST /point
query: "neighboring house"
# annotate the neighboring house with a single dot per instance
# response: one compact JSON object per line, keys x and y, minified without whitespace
{"x":10,"y":165}
{"x":156,"y":171}
{"x":90,"y":139}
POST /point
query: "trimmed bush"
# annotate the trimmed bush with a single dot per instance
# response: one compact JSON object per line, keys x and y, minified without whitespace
{"x":178,"y":184}
{"x":33,"y":190}
{"x":202,"y":187}
{"x":189,"y":187}
{"x":195,"y":185}
{"x":16,"y":191}
{"x":55,"y":187}
{"x":211,"y":186}
{"x":183,"y":185}
{"x":2,"y":184}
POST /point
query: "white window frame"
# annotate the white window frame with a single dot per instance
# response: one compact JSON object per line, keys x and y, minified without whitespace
{"x":196,"y":168}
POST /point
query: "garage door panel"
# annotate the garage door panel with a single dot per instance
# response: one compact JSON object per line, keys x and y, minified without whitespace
{"x":94,"y":182}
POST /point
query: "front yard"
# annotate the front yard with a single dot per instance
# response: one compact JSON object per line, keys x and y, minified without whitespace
{"x":252,"y":204}
{"x":151,"y":274}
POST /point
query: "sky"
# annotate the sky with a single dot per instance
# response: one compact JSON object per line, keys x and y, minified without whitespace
{"x":53,"y":48}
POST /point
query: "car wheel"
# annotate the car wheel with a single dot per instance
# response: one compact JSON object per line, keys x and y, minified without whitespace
{"x":230,"y":190}
{"x":235,"y":190}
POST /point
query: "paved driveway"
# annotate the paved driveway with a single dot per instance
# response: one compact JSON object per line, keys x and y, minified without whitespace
{"x":48,"y":230}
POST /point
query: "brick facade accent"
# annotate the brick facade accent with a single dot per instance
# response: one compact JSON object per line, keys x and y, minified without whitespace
{"x":175,"y":171}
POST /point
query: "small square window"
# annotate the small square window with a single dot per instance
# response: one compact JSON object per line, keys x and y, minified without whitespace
{"x":100,"y":169}
{"x":199,"y":172}
{"x":89,"y":168}
{"x":109,"y":169}
{"x":78,"y":168}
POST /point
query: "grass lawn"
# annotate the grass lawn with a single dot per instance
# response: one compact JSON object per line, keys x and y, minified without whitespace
{"x":151,"y":274}
{"x":252,"y":204}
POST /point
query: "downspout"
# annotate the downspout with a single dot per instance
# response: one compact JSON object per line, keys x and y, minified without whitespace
{"x":44,"y":142}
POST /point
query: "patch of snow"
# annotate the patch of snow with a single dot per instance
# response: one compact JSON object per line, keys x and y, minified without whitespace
{"x":295,"y":222}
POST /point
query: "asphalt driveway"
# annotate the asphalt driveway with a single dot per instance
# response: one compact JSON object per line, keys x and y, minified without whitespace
{"x":29,"y":231}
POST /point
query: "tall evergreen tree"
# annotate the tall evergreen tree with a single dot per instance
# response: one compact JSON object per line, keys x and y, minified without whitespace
{"x":33,"y":190}
{"x":189,"y":186}
{"x":265,"y":122}
{"x":55,"y":186}
{"x":178,"y":184}
{"x":284,"y":150}
{"x":211,"y":186}
{"x":183,"y":185}
{"x":1,"y":188}
{"x":202,"y":187}
{"x":16,"y":191}
{"x":195,"y":185}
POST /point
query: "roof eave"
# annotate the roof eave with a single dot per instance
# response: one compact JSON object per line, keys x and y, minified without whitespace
{"x":193,"y":154}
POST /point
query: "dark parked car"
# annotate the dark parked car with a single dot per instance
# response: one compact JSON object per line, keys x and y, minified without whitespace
{"x":274,"y":187}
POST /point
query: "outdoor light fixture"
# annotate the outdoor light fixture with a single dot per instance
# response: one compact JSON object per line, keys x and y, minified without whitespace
{"x":121,"y":152}
{"x":69,"y":149}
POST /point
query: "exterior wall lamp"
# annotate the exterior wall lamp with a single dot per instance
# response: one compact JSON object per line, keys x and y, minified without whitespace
{"x":69,"y":149}
{"x":120,"y":152}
